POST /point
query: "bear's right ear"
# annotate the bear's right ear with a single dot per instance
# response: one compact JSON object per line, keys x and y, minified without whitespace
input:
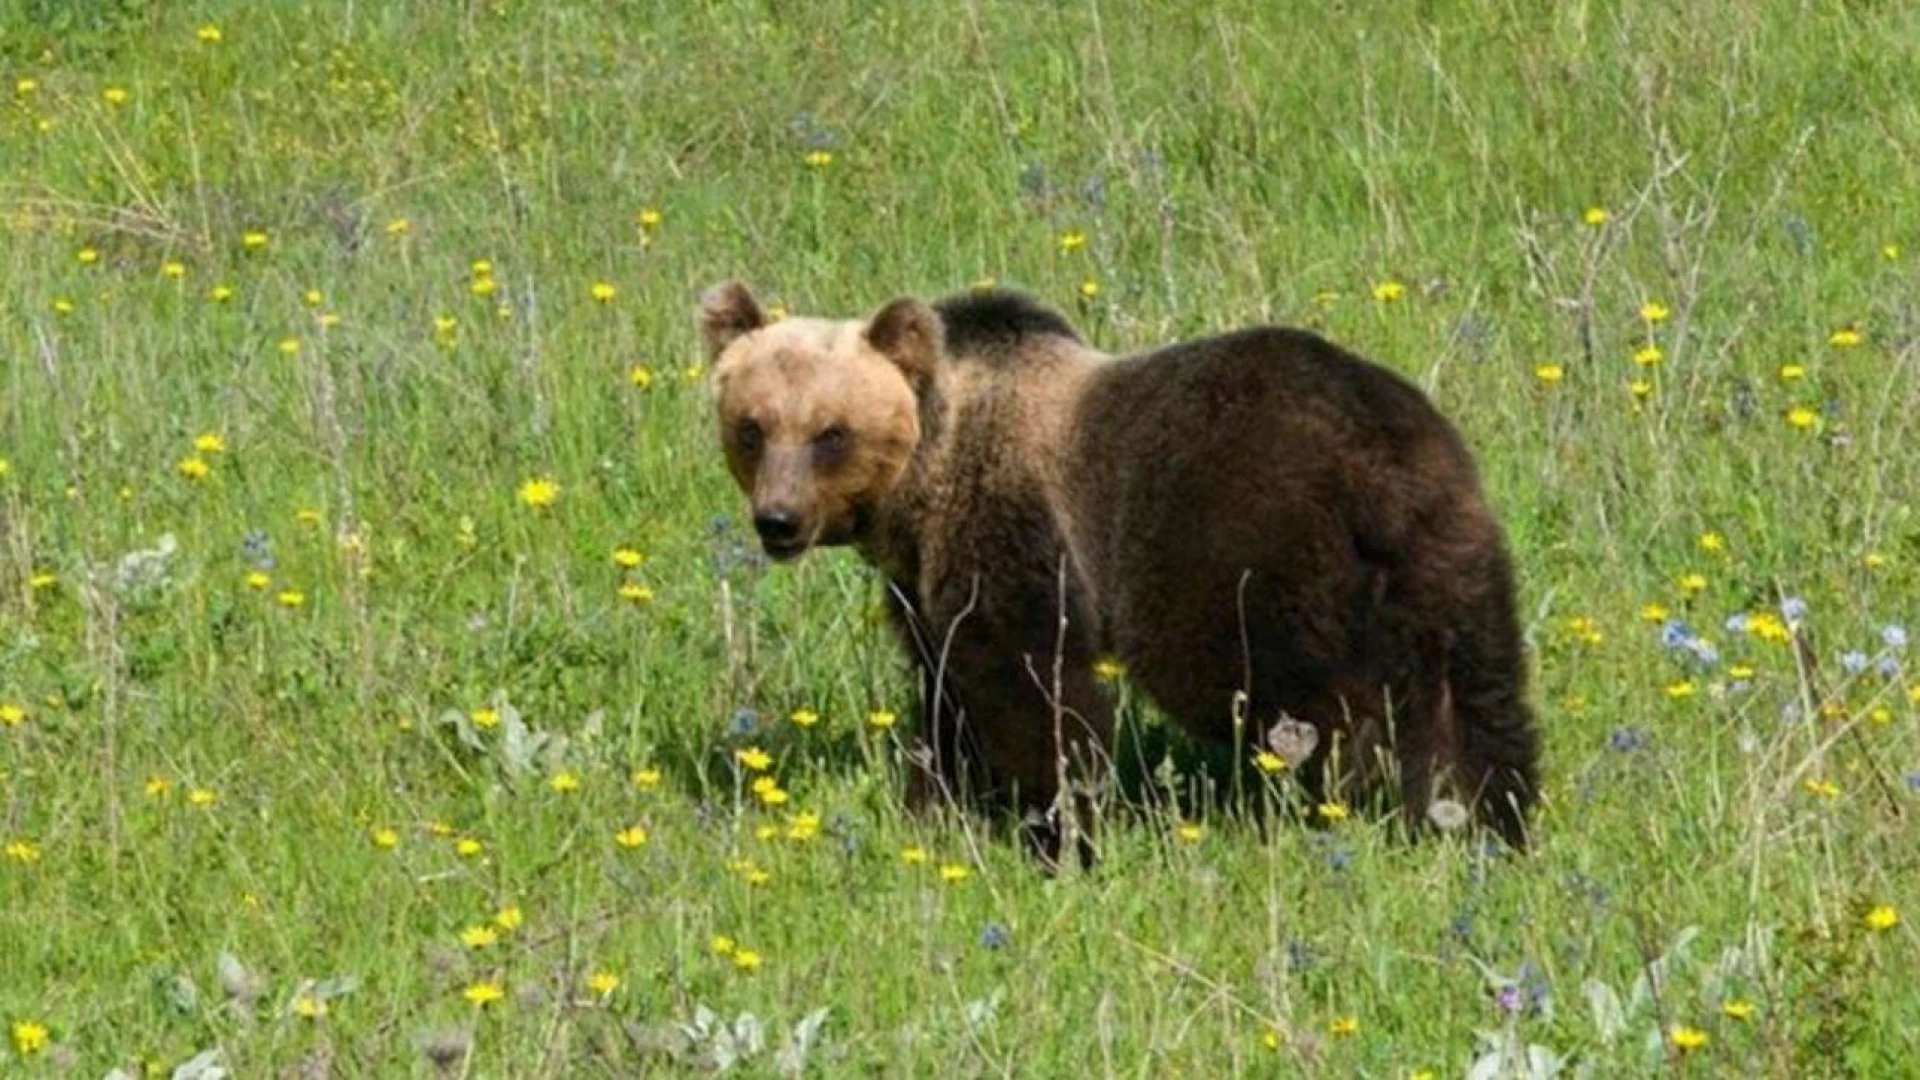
{"x":908,"y":333}
{"x":727,"y":312}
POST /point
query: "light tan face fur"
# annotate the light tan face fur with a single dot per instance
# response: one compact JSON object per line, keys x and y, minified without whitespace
{"x":818,"y":417}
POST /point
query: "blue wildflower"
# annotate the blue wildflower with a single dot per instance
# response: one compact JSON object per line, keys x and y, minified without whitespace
{"x":993,"y":936}
{"x":1894,"y":636}
{"x":745,"y":722}
{"x":1625,"y":739}
{"x":1913,"y":782}
{"x":1339,"y":859}
{"x":1737,"y":623}
{"x":1887,"y":667}
{"x":1704,"y":651}
{"x":1853,"y":662}
{"x":1674,"y":634}
{"x":1793,"y":609}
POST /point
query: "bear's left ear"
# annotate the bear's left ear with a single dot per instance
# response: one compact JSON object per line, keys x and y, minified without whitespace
{"x":908,"y":333}
{"x":728,"y":311}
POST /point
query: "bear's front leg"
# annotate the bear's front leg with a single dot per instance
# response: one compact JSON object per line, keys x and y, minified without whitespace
{"x":1013,"y":711}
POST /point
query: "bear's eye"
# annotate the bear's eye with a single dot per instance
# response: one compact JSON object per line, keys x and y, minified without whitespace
{"x":831,"y":443}
{"x":750,"y":436}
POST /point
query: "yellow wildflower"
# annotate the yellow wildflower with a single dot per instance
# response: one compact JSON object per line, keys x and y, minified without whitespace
{"x":1648,"y":355}
{"x":23,"y":851}
{"x":1344,"y":1027}
{"x":627,"y":557}
{"x":509,"y":918}
{"x":754,"y":758}
{"x":203,"y":797}
{"x":630,"y":837}
{"x":603,"y":982}
{"x":635,"y":593}
{"x":1549,"y":373}
{"x":479,"y":937}
{"x":193,"y":468}
{"x":1845,"y":338}
{"x":30,"y":1037}
{"x":12,"y":714}
{"x":1269,"y":762}
{"x":1073,"y":240}
{"x":1882,"y":917}
{"x":746,"y":960}
{"x":603,"y":291}
{"x":1737,"y":1008}
{"x":819,"y":159}
{"x":483,"y":994}
{"x":291,"y":598}
{"x":208,"y":34}
{"x":1802,"y":418}
{"x":1389,"y":290}
{"x":882,"y":719}
{"x":385,"y":839}
{"x":539,"y":493}
{"x":1793,"y":372}
{"x":1687,"y":1039}
{"x":211,"y":442}
{"x":484,"y":717}
{"x":646,"y":779}
{"x":1089,"y":287}
{"x":955,"y":873}
{"x":913,"y":856}
{"x":1654,"y":311}
{"x":1595,"y":216}
{"x":804,"y":717}
{"x":564,"y":782}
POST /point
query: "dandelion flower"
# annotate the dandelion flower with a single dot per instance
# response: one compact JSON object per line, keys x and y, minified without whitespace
{"x":634,"y":593}
{"x":754,"y":758}
{"x":208,"y":34}
{"x":291,"y":598}
{"x":804,"y":717}
{"x":1269,"y":762}
{"x":211,"y":443}
{"x":1388,"y":291}
{"x":1802,"y":418}
{"x":12,"y":714}
{"x":603,"y":291}
{"x":722,"y":945}
{"x":385,"y":839}
{"x":632,"y":836}
{"x":539,"y":493}
{"x":479,"y":937}
{"x":603,"y":982}
{"x":309,"y":1006}
{"x":399,"y":227}
{"x":1089,"y":288}
{"x":1654,"y":311}
{"x":648,"y":218}
{"x":819,"y":159}
{"x":646,"y":779}
{"x":1825,"y":789}
{"x":484,"y":717}
{"x":1889,"y":252}
{"x":290,"y":346}
{"x":219,"y":294}
{"x":62,"y":306}
{"x":746,"y":960}
{"x":1072,"y":241}
{"x":1648,"y":355}
{"x":193,"y":468}
{"x":483,"y":994}
{"x":467,"y":847}
{"x":564,"y":782}
{"x":955,"y":873}
{"x":1333,"y":811}
{"x":1344,"y":1027}
{"x":22,"y":851}
{"x":1687,"y":1039}
{"x":1272,"y":1039}
{"x":1641,"y":389}
{"x":23,"y":87}
{"x":42,"y":580}
{"x":1680,"y":691}
{"x":253,"y":239}
{"x":627,"y":558}
{"x":258,"y":580}
{"x":203,"y":797}
{"x":1712,"y":542}
{"x":1845,"y":338}
{"x":115,"y":96}
{"x":1109,"y":669}
{"x":1653,"y":612}
{"x":1189,"y":832}
{"x":1737,"y":1009}
{"x":1693,"y":584}
{"x":641,"y":376}
{"x":1882,"y":917}
{"x":803,"y":826}
{"x":509,"y":918}
{"x":1549,"y":373}
{"x":30,"y":1037}
{"x":1792,"y":372}
{"x":913,"y":856}
{"x":1595,"y":216}
{"x":881,"y":719}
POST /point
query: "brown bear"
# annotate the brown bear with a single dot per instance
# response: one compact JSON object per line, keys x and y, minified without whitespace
{"x":1258,"y":526}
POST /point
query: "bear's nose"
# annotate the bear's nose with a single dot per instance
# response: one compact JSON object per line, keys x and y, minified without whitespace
{"x":777,"y":526}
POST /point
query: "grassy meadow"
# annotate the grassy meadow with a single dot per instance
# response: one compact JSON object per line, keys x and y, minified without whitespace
{"x":390,"y":686}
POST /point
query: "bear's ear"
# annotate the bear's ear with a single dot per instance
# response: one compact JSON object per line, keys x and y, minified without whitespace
{"x":728,"y":311}
{"x":908,"y":333}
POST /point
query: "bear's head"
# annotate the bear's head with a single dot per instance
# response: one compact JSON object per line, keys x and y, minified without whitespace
{"x":819,"y":418}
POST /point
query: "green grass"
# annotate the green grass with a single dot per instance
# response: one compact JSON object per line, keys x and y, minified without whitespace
{"x":1227,"y":164}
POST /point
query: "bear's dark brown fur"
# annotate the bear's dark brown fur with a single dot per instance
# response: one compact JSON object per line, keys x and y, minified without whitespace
{"x":1257,"y":524}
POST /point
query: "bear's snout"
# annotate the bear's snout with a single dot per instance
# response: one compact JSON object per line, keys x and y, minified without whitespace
{"x":779,"y":529}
